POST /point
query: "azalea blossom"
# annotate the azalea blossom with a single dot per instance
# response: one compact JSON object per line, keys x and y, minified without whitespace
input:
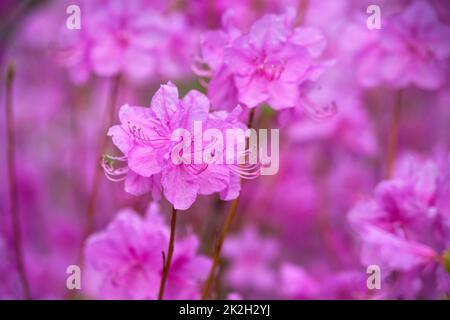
{"x":411,"y":48}
{"x":124,"y":261}
{"x":135,"y":38}
{"x":404,"y":229}
{"x":145,"y":138}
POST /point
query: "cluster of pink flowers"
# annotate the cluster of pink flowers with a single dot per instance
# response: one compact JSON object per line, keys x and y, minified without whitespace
{"x":404,"y":229}
{"x":135,"y":39}
{"x":364,"y":169}
{"x":145,"y":138}
{"x":268,"y":64}
{"x":412,"y":48}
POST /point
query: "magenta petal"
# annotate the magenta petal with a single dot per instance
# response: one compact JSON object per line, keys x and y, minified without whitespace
{"x":121,"y":138}
{"x":311,"y":38}
{"x":233,"y":189}
{"x":283,"y":94}
{"x":137,"y":185}
{"x":384,"y":248}
{"x":143,"y":161}
{"x":252,"y":90}
{"x":214,"y":179}
{"x":165,"y":102}
{"x":269,"y":32}
{"x":180,"y":188}
{"x":197,"y":105}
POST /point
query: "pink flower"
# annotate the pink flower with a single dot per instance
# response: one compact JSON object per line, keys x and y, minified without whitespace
{"x":265,"y":65}
{"x":411,"y":48}
{"x":145,"y":138}
{"x":404,"y":228}
{"x":125,"y":260}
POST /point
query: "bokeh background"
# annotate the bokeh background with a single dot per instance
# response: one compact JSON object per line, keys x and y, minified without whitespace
{"x":304,"y":233}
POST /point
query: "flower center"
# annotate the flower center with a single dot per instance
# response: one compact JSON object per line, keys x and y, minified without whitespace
{"x":270,"y":69}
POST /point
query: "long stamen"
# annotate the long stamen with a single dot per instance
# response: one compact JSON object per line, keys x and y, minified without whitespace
{"x":112,"y":173}
{"x":319,"y":113}
{"x":139,"y":136}
{"x":200,"y":69}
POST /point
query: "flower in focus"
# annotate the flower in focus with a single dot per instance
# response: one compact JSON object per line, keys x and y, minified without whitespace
{"x":404,"y":229}
{"x":125,"y":262}
{"x":145,"y":138}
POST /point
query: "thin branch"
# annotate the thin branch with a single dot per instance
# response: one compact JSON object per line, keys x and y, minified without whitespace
{"x":224,"y":232}
{"x":13,"y":187}
{"x":168,"y":261}
{"x":218,"y":249}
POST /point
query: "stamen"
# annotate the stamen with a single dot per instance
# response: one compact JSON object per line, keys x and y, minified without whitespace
{"x":319,"y":113}
{"x":114,"y":174}
{"x":139,"y":135}
{"x":200,"y":68}
{"x":246,"y":171}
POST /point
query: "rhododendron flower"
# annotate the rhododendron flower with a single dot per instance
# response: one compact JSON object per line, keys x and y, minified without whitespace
{"x":405,"y":228}
{"x":265,"y":65}
{"x":125,"y":262}
{"x":133,"y":38}
{"x":252,"y":260}
{"x":145,"y":138}
{"x":412,"y":48}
